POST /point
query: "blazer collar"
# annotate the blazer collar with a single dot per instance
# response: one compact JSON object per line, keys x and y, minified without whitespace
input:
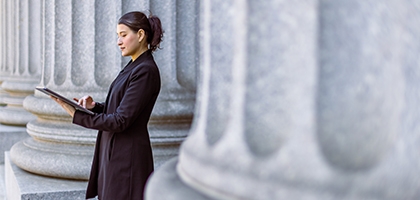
{"x":130,"y":65}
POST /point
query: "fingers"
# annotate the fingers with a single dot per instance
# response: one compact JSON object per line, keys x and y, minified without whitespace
{"x":80,"y":102}
{"x":61,"y":103}
{"x":84,"y":101}
{"x":55,"y":99}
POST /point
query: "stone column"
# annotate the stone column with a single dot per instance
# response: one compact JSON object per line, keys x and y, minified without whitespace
{"x":4,"y":69}
{"x":292,"y":106}
{"x":72,"y":69}
{"x":257,"y":98}
{"x":80,"y":58}
{"x":177,"y":61}
{"x":24,"y":60}
{"x":9,"y":134}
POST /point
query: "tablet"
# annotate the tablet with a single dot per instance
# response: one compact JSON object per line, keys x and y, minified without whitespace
{"x":68,"y":101}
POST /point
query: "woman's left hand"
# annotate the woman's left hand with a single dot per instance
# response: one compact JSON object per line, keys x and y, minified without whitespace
{"x":68,"y":108}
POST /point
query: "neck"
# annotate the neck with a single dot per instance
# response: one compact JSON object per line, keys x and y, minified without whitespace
{"x":141,"y":51}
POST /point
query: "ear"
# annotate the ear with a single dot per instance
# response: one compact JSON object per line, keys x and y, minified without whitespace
{"x":141,"y":35}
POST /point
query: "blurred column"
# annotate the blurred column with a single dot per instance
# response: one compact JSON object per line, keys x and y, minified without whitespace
{"x":80,"y":57}
{"x":23,"y":59}
{"x":256,"y":95}
{"x":303,"y":100}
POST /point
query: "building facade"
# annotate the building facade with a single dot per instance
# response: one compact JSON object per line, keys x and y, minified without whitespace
{"x":276,"y":99}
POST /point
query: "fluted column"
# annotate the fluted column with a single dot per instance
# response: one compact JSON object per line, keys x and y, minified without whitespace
{"x":80,"y":58}
{"x":303,"y":100}
{"x":24,"y":60}
{"x":177,"y":61}
{"x":4,"y":69}
{"x":257,"y":98}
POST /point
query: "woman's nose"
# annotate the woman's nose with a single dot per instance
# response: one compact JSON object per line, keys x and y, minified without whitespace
{"x":119,"y":41}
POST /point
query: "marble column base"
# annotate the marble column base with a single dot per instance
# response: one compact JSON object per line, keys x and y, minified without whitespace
{"x":18,"y":88}
{"x":72,"y":161}
{"x":3,"y":94}
{"x":166,"y":139}
{"x":23,"y":185}
{"x":66,"y":149}
{"x":16,"y":116}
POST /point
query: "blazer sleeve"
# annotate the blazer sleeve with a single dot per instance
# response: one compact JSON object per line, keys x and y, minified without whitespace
{"x":99,"y":107}
{"x":141,"y":89}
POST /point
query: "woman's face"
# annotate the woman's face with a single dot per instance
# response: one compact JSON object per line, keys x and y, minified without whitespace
{"x":128,"y":41}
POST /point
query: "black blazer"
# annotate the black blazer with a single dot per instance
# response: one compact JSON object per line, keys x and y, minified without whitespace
{"x":123,"y":157}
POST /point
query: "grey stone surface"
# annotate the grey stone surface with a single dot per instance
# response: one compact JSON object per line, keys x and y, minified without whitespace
{"x":3,"y":94}
{"x":3,"y":51}
{"x":172,"y":115}
{"x":14,"y":116}
{"x":303,"y":100}
{"x":24,"y":61}
{"x":54,"y":138}
{"x":63,"y":160}
{"x":9,"y":135}
{"x":2,"y":185}
{"x":165,"y":185}
{"x":96,"y":63}
{"x":368,"y":86}
{"x":4,"y":68}
{"x":23,"y":185}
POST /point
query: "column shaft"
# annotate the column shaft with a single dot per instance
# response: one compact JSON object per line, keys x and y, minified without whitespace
{"x":24,"y":34}
{"x":80,"y":58}
{"x":4,"y":69}
{"x":75,"y":62}
{"x":302,"y":100}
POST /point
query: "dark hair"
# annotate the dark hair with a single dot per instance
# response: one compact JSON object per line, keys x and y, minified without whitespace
{"x":151,"y":25}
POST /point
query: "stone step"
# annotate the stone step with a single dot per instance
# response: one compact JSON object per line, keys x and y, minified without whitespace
{"x":2,"y":185}
{"x":25,"y":185}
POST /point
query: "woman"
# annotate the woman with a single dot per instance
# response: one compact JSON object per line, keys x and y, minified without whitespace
{"x":123,"y":157}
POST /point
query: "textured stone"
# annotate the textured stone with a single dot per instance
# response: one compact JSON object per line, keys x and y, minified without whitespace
{"x":63,"y":160}
{"x":69,"y":69}
{"x":24,"y":61}
{"x":9,"y":135}
{"x":303,"y":100}
{"x":73,"y":70}
{"x":367,"y":87}
{"x":2,"y":185}
{"x":172,"y":115}
{"x":167,"y":186}
{"x":23,"y":185}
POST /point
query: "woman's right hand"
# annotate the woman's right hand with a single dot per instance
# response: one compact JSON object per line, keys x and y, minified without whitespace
{"x":86,"y":102}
